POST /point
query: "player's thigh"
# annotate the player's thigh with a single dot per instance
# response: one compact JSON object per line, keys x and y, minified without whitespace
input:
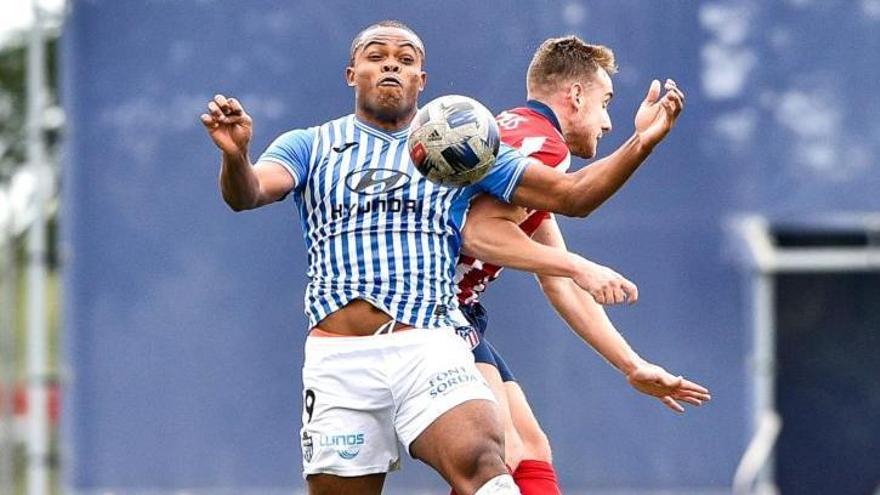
{"x":464,"y":445}
{"x":512,"y":442}
{"x":536,"y":445}
{"x":328,"y":484}
{"x":446,"y":414}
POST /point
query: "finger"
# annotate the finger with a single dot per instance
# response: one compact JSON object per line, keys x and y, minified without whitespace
{"x":222,"y":102}
{"x":632,"y":292}
{"x":208,"y":121}
{"x":691,"y":400}
{"x":599,"y":296}
{"x":670,"y":107}
{"x":214,"y":108}
{"x":233,"y":119}
{"x":675,"y":97}
{"x":609,"y":295}
{"x":676,"y":90}
{"x":681,"y":394}
{"x":671,"y":404}
{"x":696,"y":387}
{"x":673,"y":382}
{"x":653,"y":92}
{"x":617,"y":295}
{"x":235,"y":107}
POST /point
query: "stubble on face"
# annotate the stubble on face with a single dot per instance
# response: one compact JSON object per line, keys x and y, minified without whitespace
{"x":590,"y":118}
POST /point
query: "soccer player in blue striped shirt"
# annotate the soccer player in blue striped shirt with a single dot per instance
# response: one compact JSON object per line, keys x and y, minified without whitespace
{"x":383,"y":361}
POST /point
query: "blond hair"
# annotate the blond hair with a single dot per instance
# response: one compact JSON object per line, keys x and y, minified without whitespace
{"x":567,"y":59}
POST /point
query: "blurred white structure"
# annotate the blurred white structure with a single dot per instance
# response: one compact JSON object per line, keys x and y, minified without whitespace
{"x":755,"y":473}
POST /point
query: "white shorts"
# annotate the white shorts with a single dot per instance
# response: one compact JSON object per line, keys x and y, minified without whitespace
{"x":363,"y":396}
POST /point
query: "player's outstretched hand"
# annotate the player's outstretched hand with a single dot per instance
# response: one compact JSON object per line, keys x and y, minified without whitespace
{"x":604,"y":284}
{"x":657,"y":114}
{"x":671,"y":390}
{"x":228,"y":124}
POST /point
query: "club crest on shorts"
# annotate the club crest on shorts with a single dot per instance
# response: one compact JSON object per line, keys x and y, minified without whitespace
{"x":469,"y":334}
{"x":307,"y":447}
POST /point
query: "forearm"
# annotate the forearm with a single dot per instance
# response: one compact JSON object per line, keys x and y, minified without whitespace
{"x":238,"y":182}
{"x":588,"y":320}
{"x":594,"y":184}
{"x":501,"y":242}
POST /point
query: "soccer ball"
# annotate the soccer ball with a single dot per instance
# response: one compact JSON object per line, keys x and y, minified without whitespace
{"x":453,"y":141}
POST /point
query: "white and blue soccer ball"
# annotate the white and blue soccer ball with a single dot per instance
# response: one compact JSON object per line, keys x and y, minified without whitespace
{"x":453,"y":141}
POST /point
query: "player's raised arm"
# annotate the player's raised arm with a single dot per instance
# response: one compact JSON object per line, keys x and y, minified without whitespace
{"x":243,"y":186}
{"x":589,"y":321}
{"x":492,"y":234}
{"x":579,"y":193}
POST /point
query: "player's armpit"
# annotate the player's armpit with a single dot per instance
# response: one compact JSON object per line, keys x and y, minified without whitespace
{"x":486,"y":206}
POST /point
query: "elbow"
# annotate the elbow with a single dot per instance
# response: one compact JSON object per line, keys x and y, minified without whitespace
{"x":576,"y":209}
{"x":237,"y":201}
{"x":236,"y":207}
{"x":473,"y":245}
{"x":236,"y":204}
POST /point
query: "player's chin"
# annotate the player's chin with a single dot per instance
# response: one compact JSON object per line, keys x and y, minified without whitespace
{"x":586,"y":151}
{"x":394,"y":106}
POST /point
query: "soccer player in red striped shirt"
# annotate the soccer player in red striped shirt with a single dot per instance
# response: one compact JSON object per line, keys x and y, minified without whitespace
{"x":569,"y":89}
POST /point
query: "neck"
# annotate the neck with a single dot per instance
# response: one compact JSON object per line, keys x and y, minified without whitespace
{"x":554,"y":106}
{"x":383,"y":121}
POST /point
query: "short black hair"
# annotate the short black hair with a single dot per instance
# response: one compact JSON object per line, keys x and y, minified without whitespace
{"x":356,"y":42}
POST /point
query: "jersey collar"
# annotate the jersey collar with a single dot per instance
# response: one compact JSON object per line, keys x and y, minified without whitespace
{"x":545,"y":111}
{"x":387,"y":135}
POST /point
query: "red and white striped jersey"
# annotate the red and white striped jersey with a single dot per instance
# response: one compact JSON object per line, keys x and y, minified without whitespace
{"x":535,"y":132}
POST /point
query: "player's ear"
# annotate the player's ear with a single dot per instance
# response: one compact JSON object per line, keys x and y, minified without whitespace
{"x":576,"y":94}
{"x":423,"y":81}
{"x":349,"y":76}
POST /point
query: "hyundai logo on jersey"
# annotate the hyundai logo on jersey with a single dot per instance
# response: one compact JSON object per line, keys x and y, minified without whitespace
{"x":376,"y":180}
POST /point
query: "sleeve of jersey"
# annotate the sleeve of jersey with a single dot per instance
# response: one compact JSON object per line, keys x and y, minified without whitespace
{"x":292,"y":150}
{"x":552,"y":153}
{"x":505,"y":175}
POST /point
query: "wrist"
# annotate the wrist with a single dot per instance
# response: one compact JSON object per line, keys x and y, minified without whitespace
{"x":630,"y":363}
{"x":571,"y":263}
{"x":239,"y":155}
{"x":642,"y":144}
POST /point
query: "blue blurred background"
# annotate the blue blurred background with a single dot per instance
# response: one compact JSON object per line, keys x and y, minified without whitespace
{"x":184,"y":322}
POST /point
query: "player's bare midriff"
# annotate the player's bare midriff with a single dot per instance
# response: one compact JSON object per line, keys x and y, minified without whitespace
{"x":356,"y":319}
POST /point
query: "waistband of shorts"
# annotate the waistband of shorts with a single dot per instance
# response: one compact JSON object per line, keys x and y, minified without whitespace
{"x":317,"y":331}
{"x":381,"y":340}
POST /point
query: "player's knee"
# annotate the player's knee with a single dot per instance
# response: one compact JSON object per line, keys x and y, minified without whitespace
{"x":477,"y":461}
{"x":483,"y":460}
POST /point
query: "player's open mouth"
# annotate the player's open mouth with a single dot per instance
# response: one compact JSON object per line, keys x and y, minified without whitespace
{"x":389,"y":81}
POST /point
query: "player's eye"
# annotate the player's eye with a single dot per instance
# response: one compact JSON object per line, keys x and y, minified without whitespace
{"x":407,"y":59}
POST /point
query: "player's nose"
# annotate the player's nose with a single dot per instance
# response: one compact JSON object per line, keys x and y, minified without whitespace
{"x":391,"y":67}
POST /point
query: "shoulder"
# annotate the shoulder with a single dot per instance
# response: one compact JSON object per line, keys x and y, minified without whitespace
{"x":533,"y":136}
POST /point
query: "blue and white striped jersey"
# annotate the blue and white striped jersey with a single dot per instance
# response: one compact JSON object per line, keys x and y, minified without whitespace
{"x":374,"y":227}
